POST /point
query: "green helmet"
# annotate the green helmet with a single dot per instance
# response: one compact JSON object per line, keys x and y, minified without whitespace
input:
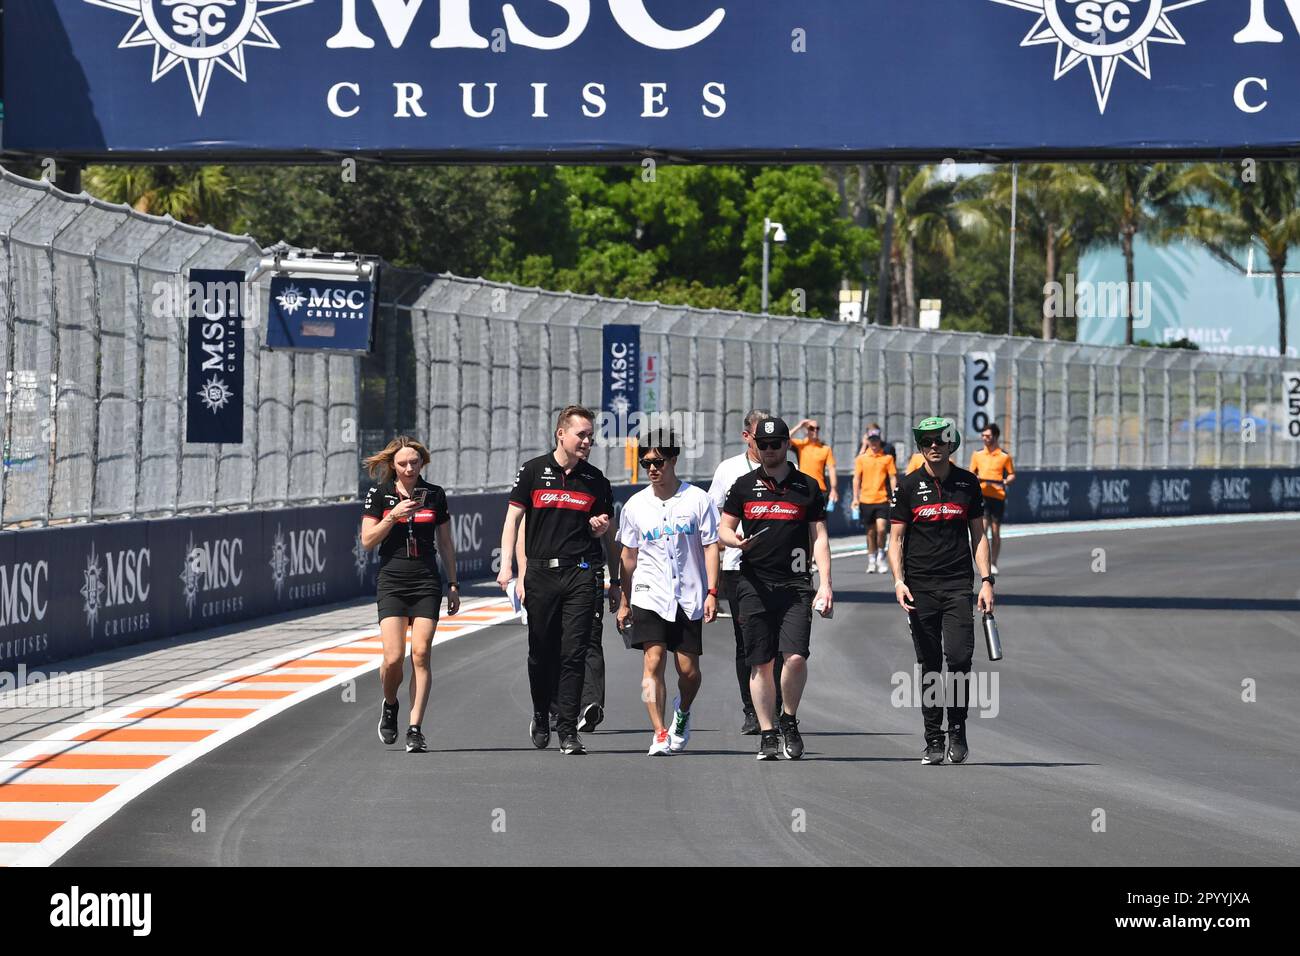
{"x":946,"y":426}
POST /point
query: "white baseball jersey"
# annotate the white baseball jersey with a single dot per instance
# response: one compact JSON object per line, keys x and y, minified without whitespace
{"x":723,"y":479}
{"x":670,"y":537}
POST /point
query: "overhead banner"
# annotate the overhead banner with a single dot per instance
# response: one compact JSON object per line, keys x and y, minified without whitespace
{"x":699,"y":79}
{"x":317,"y":313}
{"x":214,"y":391}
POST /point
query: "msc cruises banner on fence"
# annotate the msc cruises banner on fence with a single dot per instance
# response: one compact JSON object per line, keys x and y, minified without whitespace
{"x":314,"y":313}
{"x":70,"y":591}
{"x":697,"y":78}
{"x":214,"y":390}
{"x":620,"y":392}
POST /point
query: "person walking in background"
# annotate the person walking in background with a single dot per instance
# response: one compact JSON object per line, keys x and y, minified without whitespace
{"x":996,"y":471}
{"x":728,"y":471}
{"x":409,"y":590}
{"x":875,"y":475}
{"x":817,"y":459}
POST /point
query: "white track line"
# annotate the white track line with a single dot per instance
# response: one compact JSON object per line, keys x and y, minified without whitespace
{"x":92,"y":814}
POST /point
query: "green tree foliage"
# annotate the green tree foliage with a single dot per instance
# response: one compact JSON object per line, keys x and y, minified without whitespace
{"x":1226,"y":209}
{"x":443,"y":219}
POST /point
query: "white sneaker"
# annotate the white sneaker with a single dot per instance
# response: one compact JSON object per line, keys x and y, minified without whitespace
{"x":871,"y":564}
{"x":679,"y":731}
{"x":993,"y":569}
{"x":659,"y":745}
{"x":884,"y":564}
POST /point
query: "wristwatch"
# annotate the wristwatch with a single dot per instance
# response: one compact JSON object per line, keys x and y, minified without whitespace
{"x":989,"y":579}
{"x":453,"y":584}
{"x":713,"y":592}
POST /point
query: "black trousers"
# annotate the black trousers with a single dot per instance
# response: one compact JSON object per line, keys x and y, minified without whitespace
{"x":593,"y":684}
{"x":561,"y":604}
{"x":943,"y":626}
{"x":729,"y":579}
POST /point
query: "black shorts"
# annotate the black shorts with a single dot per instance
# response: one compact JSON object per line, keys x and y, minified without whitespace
{"x":409,"y":593}
{"x":995,"y":508}
{"x":773,"y":619}
{"x":870,"y":513}
{"x":648,"y":627}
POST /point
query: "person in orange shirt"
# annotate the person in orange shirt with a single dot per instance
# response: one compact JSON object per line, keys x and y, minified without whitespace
{"x":995,"y":470}
{"x":816,"y":458}
{"x":874,"y":478}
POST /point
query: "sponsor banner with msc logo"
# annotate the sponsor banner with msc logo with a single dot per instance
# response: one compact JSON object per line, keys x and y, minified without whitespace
{"x":214,"y":393}
{"x":584,"y":79}
{"x":314,"y":313}
{"x":128,"y":582}
{"x":1118,"y":493}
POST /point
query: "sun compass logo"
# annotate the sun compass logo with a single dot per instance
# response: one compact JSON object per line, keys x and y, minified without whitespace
{"x":1102,"y":33}
{"x":215,"y":394}
{"x":291,"y":299}
{"x":92,"y":589}
{"x":200,"y":35}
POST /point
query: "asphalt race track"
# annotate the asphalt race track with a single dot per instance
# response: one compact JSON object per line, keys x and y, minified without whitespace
{"x":1121,"y":693}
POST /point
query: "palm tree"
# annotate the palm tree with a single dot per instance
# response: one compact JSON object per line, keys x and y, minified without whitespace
{"x":917,"y":217}
{"x":193,"y":194}
{"x":1135,"y":197}
{"x":1226,"y":211}
{"x":1053,"y":199}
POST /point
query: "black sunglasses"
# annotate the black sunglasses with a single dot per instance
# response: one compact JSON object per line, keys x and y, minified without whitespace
{"x":769,"y":444}
{"x":931,"y":442}
{"x":648,"y":463}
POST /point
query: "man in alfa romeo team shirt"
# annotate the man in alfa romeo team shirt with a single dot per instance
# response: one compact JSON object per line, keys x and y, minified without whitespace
{"x":783,"y":513}
{"x":728,"y":471}
{"x":570,"y":505}
{"x":937,"y":518}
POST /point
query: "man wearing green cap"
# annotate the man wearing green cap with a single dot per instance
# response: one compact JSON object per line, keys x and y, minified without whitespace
{"x":937,"y":522}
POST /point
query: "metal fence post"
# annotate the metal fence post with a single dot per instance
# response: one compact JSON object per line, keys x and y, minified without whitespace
{"x":1040,"y":413}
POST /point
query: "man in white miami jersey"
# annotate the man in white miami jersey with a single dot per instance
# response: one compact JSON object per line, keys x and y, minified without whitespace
{"x":669,"y":535}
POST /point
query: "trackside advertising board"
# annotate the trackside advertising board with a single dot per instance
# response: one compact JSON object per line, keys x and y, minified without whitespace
{"x":604,"y":79}
{"x":70,"y":591}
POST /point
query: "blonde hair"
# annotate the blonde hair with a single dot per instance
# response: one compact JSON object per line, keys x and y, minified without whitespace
{"x":381,"y":463}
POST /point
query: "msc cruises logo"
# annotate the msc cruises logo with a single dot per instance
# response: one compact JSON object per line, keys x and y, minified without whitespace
{"x":199,"y":35}
{"x":1102,"y":33}
{"x":291,"y":299}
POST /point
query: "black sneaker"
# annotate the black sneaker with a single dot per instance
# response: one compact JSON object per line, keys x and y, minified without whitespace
{"x":415,"y":741}
{"x":572,"y":744}
{"x":388,"y":722}
{"x":769,"y":745}
{"x":793,"y":742}
{"x":590,"y":718}
{"x":933,"y":751}
{"x":540,"y":730}
{"x":750,"y":727}
{"x":957,"y":749}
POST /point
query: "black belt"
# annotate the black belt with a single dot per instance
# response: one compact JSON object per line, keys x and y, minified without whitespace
{"x":562,"y":563}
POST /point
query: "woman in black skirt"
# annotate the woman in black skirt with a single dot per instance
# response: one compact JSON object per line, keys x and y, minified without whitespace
{"x":403,"y":516}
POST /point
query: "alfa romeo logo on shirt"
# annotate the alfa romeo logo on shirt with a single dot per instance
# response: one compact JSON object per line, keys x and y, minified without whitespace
{"x":199,"y":35}
{"x":1102,"y":33}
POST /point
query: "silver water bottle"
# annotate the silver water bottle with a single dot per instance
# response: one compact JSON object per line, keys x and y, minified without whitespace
{"x":991,"y":639}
